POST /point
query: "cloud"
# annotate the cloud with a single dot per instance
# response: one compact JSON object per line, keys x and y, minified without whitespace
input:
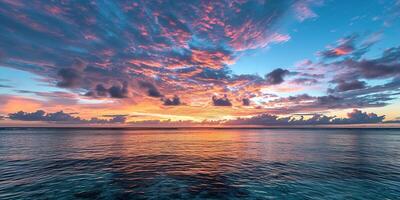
{"x":384,"y":67}
{"x":344,"y":47}
{"x":355,"y":117}
{"x":344,"y":100}
{"x":246,"y":102}
{"x":41,"y":115}
{"x":276,"y":76}
{"x":213,"y":74}
{"x":352,"y":73}
{"x":303,"y":10}
{"x":5,"y":86}
{"x":115,"y":91}
{"x":222,"y":101}
{"x":61,"y":116}
{"x":79,"y":46}
{"x":359,"y":117}
{"x":69,"y":77}
{"x":348,"y":85}
{"x":353,"y":46}
{"x":174,"y":101}
{"x":152,"y":90}
{"x":305,"y":81}
{"x":101,"y":90}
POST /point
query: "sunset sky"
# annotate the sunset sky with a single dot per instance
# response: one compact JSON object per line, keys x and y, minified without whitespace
{"x":263,"y":61}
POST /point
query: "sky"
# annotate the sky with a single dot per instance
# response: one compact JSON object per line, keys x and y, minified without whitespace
{"x":228,"y":62}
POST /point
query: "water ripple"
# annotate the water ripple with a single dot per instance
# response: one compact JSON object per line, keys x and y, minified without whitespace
{"x":203,"y":164}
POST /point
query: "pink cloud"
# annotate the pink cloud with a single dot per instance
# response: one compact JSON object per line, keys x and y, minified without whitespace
{"x":303,"y":11}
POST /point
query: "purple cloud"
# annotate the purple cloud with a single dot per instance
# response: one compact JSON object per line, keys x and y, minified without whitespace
{"x":276,"y":76}
{"x":246,"y":102}
{"x":81,"y":45}
{"x":354,"y":117}
{"x":221,"y":101}
{"x":62,"y":117}
{"x":152,"y":90}
{"x":174,"y":101}
{"x":343,"y":86}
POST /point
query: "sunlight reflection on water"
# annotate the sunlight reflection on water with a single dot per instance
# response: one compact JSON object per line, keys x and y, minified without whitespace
{"x":210,"y":164}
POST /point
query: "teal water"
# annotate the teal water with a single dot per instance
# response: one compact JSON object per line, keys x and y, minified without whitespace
{"x":200,"y":164}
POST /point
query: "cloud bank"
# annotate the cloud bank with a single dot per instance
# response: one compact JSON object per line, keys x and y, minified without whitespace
{"x":354,"y":117}
{"x":61,"y":117}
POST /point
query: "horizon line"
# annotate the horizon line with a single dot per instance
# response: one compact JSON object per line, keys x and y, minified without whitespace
{"x":198,"y":127}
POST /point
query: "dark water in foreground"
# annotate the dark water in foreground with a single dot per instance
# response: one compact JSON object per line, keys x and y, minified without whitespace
{"x":202,"y":164}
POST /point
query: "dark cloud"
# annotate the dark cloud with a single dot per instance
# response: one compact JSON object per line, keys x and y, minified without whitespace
{"x":348,"y":85}
{"x":351,"y":46}
{"x":174,"y":101}
{"x":349,"y":100}
{"x":25,"y":91}
{"x":387,"y":66}
{"x":355,"y":117}
{"x":276,"y":76}
{"x":151,"y":89}
{"x":223,"y":101}
{"x":61,"y":117}
{"x":101,"y":90}
{"x":345,"y":46}
{"x":117,"y":119}
{"x":117,"y":91}
{"x":5,"y":86}
{"x":359,"y":117}
{"x":70,"y":77}
{"x":90,"y":94}
{"x":246,"y":102}
{"x":344,"y":100}
{"x":41,"y":115}
{"x":355,"y":93}
{"x":329,"y":100}
{"x":386,"y":91}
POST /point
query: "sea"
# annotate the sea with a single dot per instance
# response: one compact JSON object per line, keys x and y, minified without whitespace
{"x":186,"y":163}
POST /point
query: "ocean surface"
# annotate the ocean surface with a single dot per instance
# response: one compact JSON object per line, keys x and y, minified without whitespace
{"x":200,"y":164}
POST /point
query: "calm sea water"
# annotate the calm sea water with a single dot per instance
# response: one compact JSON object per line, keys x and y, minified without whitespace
{"x":200,"y":164}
